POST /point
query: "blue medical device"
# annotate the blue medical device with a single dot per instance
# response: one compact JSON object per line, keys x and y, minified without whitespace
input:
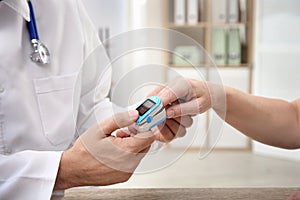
{"x":151,"y":114}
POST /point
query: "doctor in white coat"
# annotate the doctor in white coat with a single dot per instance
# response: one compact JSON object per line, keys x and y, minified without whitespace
{"x":43,"y":108}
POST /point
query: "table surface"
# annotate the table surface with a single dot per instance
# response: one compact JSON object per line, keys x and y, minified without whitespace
{"x":180,"y":193}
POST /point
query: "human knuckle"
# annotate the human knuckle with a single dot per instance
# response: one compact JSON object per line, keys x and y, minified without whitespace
{"x":119,"y":119}
{"x":127,"y":176}
{"x":182,"y":131}
{"x":103,"y":125}
{"x":132,"y":148}
{"x":199,"y":107}
{"x":189,"y":122}
{"x":177,"y":111}
{"x":182,"y":134}
{"x":124,"y":177}
{"x":169,"y":137}
{"x":202,"y":105}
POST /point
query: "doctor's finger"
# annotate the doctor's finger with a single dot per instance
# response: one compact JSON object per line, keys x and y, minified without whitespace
{"x":122,"y":133}
{"x":132,"y":130}
{"x":165,"y":134}
{"x":185,"y":121}
{"x":139,"y":142}
{"x":196,"y":106}
{"x":176,"y":128}
{"x":117,"y":121}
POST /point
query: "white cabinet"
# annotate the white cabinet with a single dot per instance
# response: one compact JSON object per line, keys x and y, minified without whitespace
{"x":230,"y":137}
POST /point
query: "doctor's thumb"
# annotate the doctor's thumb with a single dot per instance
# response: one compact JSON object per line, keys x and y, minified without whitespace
{"x":118,"y":120}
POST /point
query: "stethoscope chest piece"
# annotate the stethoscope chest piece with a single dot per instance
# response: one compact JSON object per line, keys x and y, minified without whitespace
{"x":40,"y":52}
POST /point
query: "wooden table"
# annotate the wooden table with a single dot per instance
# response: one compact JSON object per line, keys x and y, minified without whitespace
{"x":181,"y":193}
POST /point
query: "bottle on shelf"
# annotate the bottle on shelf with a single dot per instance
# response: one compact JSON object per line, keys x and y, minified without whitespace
{"x":192,"y":12}
{"x":187,"y":55}
{"x":219,"y":11}
{"x":179,"y":12}
{"x":234,"y":47}
{"x":219,"y":46}
{"x":233,"y":11}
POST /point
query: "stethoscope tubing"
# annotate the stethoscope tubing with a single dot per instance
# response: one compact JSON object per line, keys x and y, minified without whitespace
{"x":32,"y":24}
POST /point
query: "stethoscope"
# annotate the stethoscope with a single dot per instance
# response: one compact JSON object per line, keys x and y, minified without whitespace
{"x":40,"y":52}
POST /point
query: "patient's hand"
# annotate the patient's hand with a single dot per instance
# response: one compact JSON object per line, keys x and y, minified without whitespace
{"x":193,"y":97}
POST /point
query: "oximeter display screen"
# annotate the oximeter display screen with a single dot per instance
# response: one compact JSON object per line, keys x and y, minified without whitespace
{"x":142,"y":109}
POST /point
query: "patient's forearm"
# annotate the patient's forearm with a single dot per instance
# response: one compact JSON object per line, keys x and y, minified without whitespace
{"x":271,"y":121}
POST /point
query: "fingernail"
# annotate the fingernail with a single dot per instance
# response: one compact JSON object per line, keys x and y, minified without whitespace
{"x":133,"y":114}
{"x":170,"y":113}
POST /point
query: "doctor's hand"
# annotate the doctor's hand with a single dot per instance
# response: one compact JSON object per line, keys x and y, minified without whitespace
{"x":172,"y":128}
{"x":99,"y":159}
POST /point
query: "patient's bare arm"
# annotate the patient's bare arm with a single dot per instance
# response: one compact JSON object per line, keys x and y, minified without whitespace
{"x":271,"y":121}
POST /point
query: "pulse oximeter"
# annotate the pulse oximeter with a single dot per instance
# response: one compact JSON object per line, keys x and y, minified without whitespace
{"x":151,"y":114}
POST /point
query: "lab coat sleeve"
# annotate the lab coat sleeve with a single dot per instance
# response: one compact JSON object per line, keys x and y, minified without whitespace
{"x":96,"y":75}
{"x":28,"y":174}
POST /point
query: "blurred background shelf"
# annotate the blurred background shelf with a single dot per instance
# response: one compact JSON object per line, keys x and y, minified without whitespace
{"x":242,"y":65}
{"x":198,"y":25}
{"x":207,"y":24}
{"x":203,"y":31}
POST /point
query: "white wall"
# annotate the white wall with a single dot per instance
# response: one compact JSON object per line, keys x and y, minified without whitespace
{"x":122,"y":16}
{"x":112,"y":14}
{"x":277,"y":69}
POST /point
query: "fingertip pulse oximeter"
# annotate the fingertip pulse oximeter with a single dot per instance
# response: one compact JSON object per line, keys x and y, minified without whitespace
{"x":151,"y":114}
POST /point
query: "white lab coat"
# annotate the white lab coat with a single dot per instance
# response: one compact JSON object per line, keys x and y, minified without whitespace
{"x":44,"y":108}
